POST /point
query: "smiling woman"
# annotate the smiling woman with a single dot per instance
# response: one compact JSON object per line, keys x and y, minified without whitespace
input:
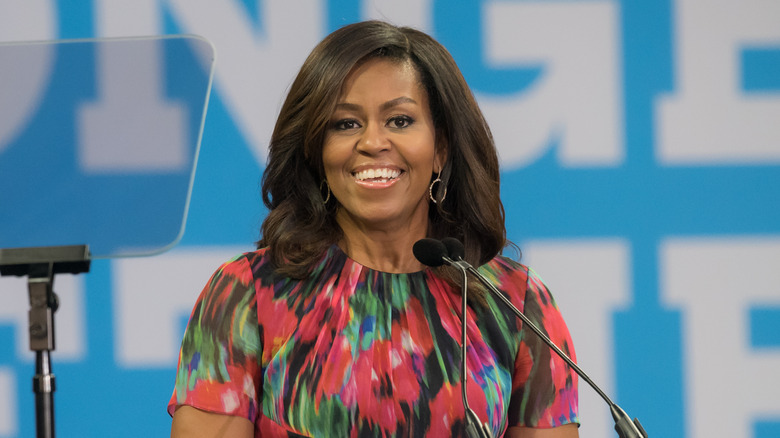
{"x":332,"y":327}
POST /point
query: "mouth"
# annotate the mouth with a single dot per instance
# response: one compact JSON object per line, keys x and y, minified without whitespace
{"x":380,"y":175}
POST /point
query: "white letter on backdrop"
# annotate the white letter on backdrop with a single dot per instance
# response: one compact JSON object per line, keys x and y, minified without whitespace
{"x":255,"y":67}
{"x":578,"y":98}
{"x":708,"y":119}
{"x":24,"y":78}
{"x":131,"y":127}
{"x":715,"y":282}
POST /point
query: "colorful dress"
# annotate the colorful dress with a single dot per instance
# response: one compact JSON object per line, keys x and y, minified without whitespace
{"x":355,"y":352}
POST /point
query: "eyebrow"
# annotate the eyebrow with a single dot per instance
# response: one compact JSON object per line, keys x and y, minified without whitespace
{"x":385,"y":106}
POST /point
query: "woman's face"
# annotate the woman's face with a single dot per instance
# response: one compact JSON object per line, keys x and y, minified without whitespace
{"x":379,"y":151}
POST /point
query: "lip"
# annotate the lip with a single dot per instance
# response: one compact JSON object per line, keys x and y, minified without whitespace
{"x":377,"y":184}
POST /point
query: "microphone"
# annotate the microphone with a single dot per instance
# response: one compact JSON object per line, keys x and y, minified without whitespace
{"x":623,"y":424}
{"x":432,"y":252}
{"x":429,"y":252}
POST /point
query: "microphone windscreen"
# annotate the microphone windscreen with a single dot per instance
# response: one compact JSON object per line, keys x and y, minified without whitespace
{"x":455,"y":249}
{"x":430,"y":252}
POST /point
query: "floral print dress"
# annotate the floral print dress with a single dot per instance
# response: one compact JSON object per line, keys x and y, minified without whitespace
{"x":355,"y":352}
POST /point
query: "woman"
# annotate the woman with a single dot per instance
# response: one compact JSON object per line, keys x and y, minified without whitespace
{"x":333,"y":328}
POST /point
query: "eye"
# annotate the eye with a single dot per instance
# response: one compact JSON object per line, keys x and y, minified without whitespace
{"x":400,"y":122}
{"x":345,"y":124}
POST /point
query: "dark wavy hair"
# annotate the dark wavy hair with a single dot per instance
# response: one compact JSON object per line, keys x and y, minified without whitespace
{"x":299,"y":227}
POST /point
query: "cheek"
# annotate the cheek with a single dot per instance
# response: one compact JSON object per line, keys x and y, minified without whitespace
{"x":333,"y":157}
{"x":423,"y":153}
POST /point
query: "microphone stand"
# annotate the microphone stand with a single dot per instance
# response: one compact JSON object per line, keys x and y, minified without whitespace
{"x":474,"y":427}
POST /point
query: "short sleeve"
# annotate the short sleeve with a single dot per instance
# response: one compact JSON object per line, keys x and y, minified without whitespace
{"x":544,"y":386}
{"x":218,"y":362}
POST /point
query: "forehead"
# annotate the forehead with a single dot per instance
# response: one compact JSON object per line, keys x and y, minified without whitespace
{"x":382,"y":74}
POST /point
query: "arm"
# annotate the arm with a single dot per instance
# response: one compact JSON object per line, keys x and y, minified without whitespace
{"x":193,"y":423}
{"x":218,"y":369}
{"x":544,"y":396}
{"x":565,"y":431}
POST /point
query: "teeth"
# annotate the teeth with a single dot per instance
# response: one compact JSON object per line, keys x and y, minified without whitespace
{"x":377,"y":173}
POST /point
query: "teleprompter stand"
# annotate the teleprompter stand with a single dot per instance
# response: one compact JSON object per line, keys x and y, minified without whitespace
{"x":107,"y":202}
{"x":39,"y":265}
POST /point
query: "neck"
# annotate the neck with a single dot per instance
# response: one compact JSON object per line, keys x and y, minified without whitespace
{"x":386,"y":250}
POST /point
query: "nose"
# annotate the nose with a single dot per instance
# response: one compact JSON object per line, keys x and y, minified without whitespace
{"x":373,"y":139}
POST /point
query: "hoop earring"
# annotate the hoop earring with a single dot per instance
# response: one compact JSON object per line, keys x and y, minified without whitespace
{"x":327,"y":187}
{"x":430,"y":189}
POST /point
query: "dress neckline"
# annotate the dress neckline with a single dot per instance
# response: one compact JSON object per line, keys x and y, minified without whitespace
{"x":336,"y":252}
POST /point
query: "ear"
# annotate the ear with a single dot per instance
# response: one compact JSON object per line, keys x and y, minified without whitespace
{"x":440,"y":156}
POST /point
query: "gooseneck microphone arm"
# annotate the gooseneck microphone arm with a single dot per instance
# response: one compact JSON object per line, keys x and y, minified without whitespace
{"x":538,"y":332}
{"x":623,"y":424}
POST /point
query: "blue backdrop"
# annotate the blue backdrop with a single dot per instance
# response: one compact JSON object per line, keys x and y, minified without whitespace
{"x":640,"y":145}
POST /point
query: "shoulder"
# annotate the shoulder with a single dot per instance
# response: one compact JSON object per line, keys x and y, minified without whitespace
{"x":517,"y":280}
{"x":505,"y":264}
{"x":234,"y":280}
{"x":242,"y":267}
{"x":251,"y":259}
{"x":509,"y":276}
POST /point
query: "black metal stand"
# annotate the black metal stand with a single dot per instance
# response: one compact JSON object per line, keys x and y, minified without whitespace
{"x":40,"y":265}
